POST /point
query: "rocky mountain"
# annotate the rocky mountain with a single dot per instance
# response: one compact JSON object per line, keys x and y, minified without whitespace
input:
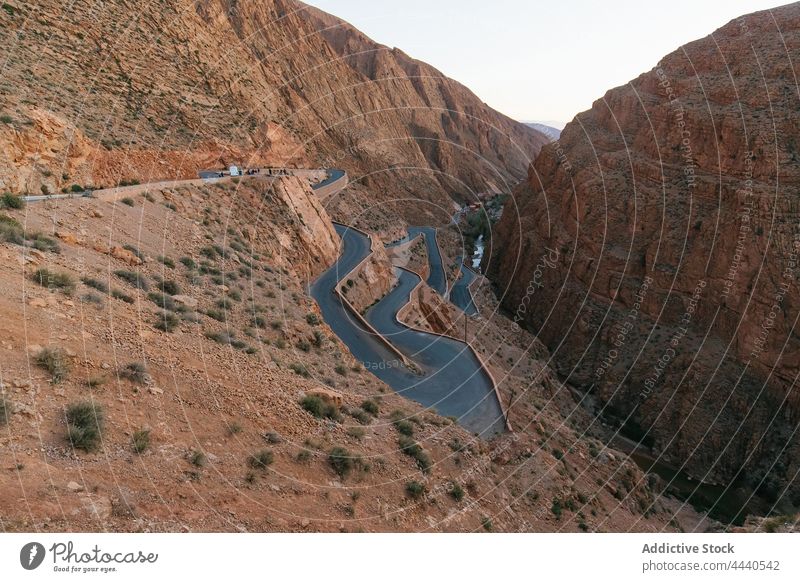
{"x":655,"y":251}
{"x":164,"y":367}
{"x":94,"y":94}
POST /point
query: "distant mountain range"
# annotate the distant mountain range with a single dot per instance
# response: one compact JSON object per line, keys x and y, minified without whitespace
{"x":552,"y":133}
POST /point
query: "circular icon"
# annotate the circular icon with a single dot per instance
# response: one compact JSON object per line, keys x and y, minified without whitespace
{"x":31,"y":555}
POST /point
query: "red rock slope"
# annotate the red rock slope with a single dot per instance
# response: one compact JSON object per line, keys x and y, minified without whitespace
{"x":655,"y":251}
{"x":96,"y":93}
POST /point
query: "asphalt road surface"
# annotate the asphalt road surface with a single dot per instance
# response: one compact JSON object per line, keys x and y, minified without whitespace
{"x":436,"y":278}
{"x":371,"y":351}
{"x":451,"y":381}
{"x":460,"y":295}
{"x":333,"y":175}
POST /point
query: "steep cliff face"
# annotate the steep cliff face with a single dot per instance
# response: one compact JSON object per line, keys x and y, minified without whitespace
{"x":466,"y":143}
{"x":655,"y":251}
{"x":93,"y":94}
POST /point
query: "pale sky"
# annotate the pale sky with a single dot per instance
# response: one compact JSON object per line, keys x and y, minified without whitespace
{"x":539,"y":60}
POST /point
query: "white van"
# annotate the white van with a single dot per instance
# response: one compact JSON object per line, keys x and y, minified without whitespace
{"x":234,"y":171}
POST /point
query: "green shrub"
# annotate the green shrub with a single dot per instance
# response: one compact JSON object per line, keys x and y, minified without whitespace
{"x":341,"y":461}
{"x":44,"y":243}
{"x":117,"y":294}
{"x":135,"y":372}
{"x":361,"y":416}
{"x":225,"y":338}
{"x":84,"y":425}
{"x":163,"y":300}
{"x":61,"y":281}
{"x":135,"y":279}
{"x":300,"y":370}
{"x":216,"y":314}
{"x":356,"y":432}
{"x":319,"y":408}
{"x":341,"y":369}
{"x":95,"y":381}
{"x":167,"y":262}
{"x":128,"y":201}
{"x":556,"y":508}
{"x":303,"y":455}
{"x":370,"y":406}
{"x":207,"y":269}
{"x":167,"y":322}
{"x":197,"y":458}
{"x":457,"y":446}
{"x":188,"y":262}
{"x":261,"y":460}
{"x":170,"y":287}
{"x":455,"y":491}
{"x":75,"y":188}
{"x":319,"y":338}
{"x":54,"y":361}
{"x":404,"y":427}
{"x":209,"y":252}
{"x":11,"y":230}
{"x":95,"y":284}
{"x":487,"y":523}
{"x":93,"y":298}
{"x":415,"y":489}
{"x":141,"y":440}
{"x":135,"y":250}
{"x":10,"y":201}
{"x":223,"y":303}
{"x":234,"y":427}
{"x":411,"y":448}
{"x":312,"y":319}
{"x":6,"y":410}
{"x":303,"y":345}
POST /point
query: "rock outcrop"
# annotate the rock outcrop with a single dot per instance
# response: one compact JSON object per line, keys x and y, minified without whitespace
{"x":655,"y":251}
{"x":371,"y":280}
{"x":184,"y":85}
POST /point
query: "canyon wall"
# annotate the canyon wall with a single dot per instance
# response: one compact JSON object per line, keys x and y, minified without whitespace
{"x":92,"y":94}
{"x":654,"y":249}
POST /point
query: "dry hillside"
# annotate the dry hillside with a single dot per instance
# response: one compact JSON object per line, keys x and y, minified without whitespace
{"x":97,"y":93}
{"x":181,"y":315}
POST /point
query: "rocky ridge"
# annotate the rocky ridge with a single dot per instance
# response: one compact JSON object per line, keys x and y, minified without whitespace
{"x":97,"y":94}
{"x":655,"y":252}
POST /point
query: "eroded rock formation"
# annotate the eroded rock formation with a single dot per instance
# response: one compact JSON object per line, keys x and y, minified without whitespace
{"x":132,"y":91}
{"x":654,"y":251}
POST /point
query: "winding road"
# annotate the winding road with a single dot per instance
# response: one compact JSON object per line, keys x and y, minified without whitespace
{"x":460,"y":295}
{"x":437,"y":280}
{"x":333,"y":176}
{"x":451,"y":379}
{"x":363,"y":343}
